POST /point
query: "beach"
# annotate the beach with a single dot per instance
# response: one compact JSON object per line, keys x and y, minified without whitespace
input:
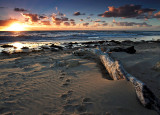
{"x":59,"y":83}
{"x":142,"y":64}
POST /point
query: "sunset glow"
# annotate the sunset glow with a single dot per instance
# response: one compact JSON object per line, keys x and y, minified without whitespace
{"x":79,"y":15}
{"x":16,"y":27}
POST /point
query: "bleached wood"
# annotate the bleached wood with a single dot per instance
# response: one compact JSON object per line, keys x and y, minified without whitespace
{"x":117,"y":72}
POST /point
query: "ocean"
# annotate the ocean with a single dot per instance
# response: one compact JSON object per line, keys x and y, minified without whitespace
{"x":35,"y":39}
{"x":65,"y":36}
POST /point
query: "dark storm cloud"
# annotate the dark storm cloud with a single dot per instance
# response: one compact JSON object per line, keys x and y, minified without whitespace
{"x":46,"y":22}
{"x":32,"y":17}
{"x":7,"y":22}
{"x":144,"y":24}
{"x":127,"y":11}
{"x":19,"y":10}
{"x":78,"y":13}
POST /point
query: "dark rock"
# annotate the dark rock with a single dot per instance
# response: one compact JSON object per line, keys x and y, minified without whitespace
{"x":7,"y":46}
{"x":24,"y":48}
{"x":45,"y":47}
{"x":54,"y":49}
{"x":117,"y":42}
{"x":131,"y":50}
{"x":55,"y":46}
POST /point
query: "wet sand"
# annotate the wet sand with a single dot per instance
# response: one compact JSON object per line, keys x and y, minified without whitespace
{"x":60,"y":83}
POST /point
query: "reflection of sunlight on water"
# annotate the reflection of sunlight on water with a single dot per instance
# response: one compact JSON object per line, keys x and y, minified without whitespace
{"x":17,"y":45}
{"x":26,"y":46}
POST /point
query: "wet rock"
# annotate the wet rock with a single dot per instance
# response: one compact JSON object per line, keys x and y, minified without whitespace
{"x":25,"y":48}
{"x":157,"y":66}
{"x":5,"y":52}
{"x":55,"y":46}
{"x":54,"y":49}
{"x":129,"y":50}
{"x":7,"y":46}
{"x":116,"y":42}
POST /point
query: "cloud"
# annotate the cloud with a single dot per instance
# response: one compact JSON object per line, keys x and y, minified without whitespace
{"x":7,"y":22}
{"x":57,"y":21}
{"x":143,"y":24}
{"x":127,"y":11}
{"x":19,"y":10}
{"x":105,"y":24}
{"x":64,"y":19}
{"x":60,"y":14}
{"x":73,"y":23}
{"x":43,"y":17}
{"x":88,"y":17}
{"x":157,"y":15}
{"x":46,"y":22}
{"x":32,"y":17}
{"x":81,"y":20}
{"x":1,"y":7}
{"x":72,"y":20}
{"x":85,"y":24}
{"x":78,"y":13}
{"x":60,"y":20}
{"x":66,"y":23}
{"x":99,"y":20}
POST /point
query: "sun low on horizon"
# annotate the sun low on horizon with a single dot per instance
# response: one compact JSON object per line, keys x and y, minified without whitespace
{"x":79,"y":15}
{"x":16,"y":27}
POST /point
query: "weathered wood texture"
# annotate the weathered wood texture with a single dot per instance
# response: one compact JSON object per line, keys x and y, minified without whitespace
{"x":117,"y":72}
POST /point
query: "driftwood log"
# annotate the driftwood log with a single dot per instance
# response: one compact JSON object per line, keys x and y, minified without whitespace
{"x":117,"y":72}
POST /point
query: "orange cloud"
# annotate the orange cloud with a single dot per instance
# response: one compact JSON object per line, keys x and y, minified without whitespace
{"x":7,"y":22}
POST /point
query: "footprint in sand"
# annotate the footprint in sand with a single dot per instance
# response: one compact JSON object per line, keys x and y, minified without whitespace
{"x":81,"y":108}
{"x":67,"y":82}
{"x":86,"y":100}
{"x":61,"y":77}
{"x":66,"y":95}
{"x":77,"y":107}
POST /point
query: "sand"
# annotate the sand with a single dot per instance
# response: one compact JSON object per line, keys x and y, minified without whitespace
{"x":59,"y":83}
{"x":142,"y":64}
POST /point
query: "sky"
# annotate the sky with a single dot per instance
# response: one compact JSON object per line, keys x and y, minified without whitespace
{"x":80,"y":14}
